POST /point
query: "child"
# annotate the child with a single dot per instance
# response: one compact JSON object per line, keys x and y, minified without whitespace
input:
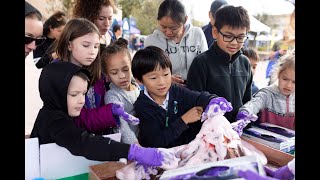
{"x":276,"y":103}
{"x":62,"y":88}
{"x":79,"y":44}
{"x":254,"y":59}
{"x":223,"y":70}
{"x":179,"y":39}
{"x":116,"y":62}
{"x":52,"y":29}
{"x":169,"y":113}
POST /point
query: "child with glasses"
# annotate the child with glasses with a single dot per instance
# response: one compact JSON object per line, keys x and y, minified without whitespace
{"x":33,"y":29}
{"x":79,"y":44}
{"x":170,"y":113}
{"x":116,"y":62}
{"x":223,"y":69}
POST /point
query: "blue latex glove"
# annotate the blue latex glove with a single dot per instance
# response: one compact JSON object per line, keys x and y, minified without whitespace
{"x":243,"y":119}
{"x":281,"y":173}
{"x":216,"y":106}
{"x":160,"y":157}
{"x":118,"y":111}
{"x":251,"y":175}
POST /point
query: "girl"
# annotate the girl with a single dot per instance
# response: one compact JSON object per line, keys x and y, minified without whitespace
{"x":52,"y":29}
{"x":79,"y":44}
{"x":276,"y":103}
{"x":62,"y":87}
{"x":116,"y":62}
{"x":179,"y":39}
{"x":100,"y":13}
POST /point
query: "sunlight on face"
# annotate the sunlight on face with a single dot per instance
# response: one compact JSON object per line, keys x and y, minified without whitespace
{"x":119,"y":70}
{"x":157,"y":83}
{"x":76,"y":95}
{"x":287,"y":82}
{"x":84,"y":49}
{"x":33,"y":28}
{"x":104,"y":20}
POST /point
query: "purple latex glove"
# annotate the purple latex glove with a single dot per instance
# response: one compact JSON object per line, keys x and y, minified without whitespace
{"x":216,"y":106}
{"x":164,"y":158}
{"x":281,"y":173}
{"x":243,"y":119}
{"x":118,"y":111}
{"x":251,"y":175}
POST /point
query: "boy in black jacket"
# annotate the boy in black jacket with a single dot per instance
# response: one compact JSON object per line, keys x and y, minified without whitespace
{"x":223,"y":69}
{"x":169,"y":113}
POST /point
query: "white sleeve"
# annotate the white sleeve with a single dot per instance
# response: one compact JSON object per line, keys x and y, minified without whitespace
{"x":291,"y":166}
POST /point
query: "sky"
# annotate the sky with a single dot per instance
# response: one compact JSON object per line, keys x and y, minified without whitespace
{"x":254,"y":7}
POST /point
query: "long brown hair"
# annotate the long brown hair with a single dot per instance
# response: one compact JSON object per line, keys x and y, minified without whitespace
{"x":75,"y":28}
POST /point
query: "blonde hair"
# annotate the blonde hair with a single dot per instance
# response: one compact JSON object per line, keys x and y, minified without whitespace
{"x":286,"y":61}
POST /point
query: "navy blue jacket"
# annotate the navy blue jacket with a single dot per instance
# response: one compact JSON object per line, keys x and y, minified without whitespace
{"x":207,"y":30}
{"x":153,"y":129}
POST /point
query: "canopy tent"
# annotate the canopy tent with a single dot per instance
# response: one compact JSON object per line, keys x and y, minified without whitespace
{"x":257,"y":26}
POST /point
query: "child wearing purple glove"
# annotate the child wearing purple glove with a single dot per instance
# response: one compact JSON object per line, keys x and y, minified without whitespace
{"x":62,"y":87}
{"x":169,"y":113}
{"x":275,"y":103}
{"x":79,"y":44}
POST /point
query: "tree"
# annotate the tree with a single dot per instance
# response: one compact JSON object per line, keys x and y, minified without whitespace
{"x":127,"y":6}
{"x":146,"y":16}
{"x":63,"y":5}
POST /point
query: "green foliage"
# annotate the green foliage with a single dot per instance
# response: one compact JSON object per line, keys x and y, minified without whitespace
{"x":197,"y":23}
{"x":127,"y":6}
{"x":146,"y":16}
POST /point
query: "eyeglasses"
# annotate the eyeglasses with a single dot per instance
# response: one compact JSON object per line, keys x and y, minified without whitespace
{"x":230,"y":38}
{"x":28,"y":40}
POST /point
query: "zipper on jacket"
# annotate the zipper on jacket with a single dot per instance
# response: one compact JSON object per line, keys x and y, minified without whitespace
{"x":230,"y":65}
{"x":167,"y":118}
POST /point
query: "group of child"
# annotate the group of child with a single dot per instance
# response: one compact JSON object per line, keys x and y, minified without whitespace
{"x":78,"y":109}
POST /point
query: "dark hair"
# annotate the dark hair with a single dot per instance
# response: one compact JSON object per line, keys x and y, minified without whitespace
{"x":31,"y":12}
{"x":90,"y":9}
{"x":116,"y":27}
{"x":75,"y":28}
{"x":83,"y":74}
{"x":173,"y":9}
{"x":235,"y":17}
{"x":147,"y":60}
{"x":215,"y":5}
{"x":54,"y":21}
{"x":118,"y":46}
{"x":250,"y":53}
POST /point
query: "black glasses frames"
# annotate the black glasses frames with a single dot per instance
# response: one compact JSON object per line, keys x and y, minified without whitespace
{"x":28,"y":40}
{"x":230,"y":38}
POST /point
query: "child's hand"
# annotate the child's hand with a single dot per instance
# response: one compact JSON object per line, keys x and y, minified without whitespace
{"x":193,"y":115}
{"x":118,"y":111}
{"x":177,"y":79}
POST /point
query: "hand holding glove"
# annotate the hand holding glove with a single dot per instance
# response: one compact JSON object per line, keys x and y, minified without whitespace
{"x":243,"y":119}
{"x":164,"y":158}
{"x":216,"y":106}
{"x":118,"y":111}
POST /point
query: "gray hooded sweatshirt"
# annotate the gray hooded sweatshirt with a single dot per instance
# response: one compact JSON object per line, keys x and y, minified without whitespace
{"x":181,"y":54}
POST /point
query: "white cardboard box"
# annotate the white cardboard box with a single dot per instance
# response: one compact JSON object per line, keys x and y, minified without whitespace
{"x":269,"y":138}
{"x":51,"y":161}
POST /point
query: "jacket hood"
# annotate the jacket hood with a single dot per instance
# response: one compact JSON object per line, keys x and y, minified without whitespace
{"x":274,"y":88}
{"x":53,"y":84}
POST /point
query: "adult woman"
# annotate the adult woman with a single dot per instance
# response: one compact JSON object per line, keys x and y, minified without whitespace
{"x":33,"y":29}
{"x":100,"y":13}
{"x":52,"y":29}
{"x":179,"y":39}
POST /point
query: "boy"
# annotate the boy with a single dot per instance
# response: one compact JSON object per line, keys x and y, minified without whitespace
{"x":223,"y":70}
{"x":169,"y":113}
{"x":254,"y":59}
